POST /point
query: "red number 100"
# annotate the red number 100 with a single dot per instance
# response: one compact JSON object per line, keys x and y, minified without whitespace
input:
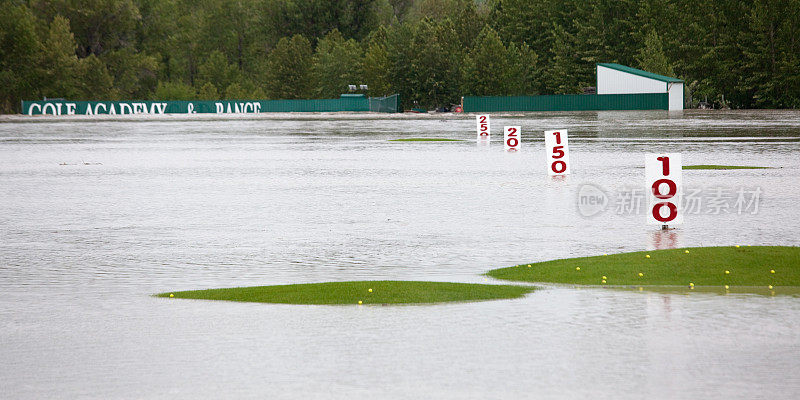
{"x":673,"y":189}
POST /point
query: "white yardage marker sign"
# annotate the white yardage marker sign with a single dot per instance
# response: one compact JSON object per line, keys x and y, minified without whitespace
{"x":512,"y":135}
{"x":484,"y":129}
{"x":663,"y":176}
{"x":557,"y":148}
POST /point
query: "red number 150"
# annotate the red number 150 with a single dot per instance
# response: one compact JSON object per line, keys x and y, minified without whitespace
{"x":558,"y":166}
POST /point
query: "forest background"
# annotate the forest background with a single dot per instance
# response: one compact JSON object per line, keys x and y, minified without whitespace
{"x":731,"y":53}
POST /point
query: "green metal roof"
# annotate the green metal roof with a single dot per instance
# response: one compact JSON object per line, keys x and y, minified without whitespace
{"x":639,"y":72}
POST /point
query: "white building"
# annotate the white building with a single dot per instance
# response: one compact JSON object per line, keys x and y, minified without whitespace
{"x":619,"y":79}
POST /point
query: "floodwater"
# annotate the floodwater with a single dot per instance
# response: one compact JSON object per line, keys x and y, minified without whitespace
{"x":98,"y":215}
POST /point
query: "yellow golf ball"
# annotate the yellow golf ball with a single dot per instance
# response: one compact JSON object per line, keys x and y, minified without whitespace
{"x":171,"y":295}
{"x":641,"y":274}
{"x":604,"y":277}
{"x":603,"y":281}
{"x":737,"y":245}
{"x":686,"y":251}
{"x":727,"y":287}
{"x":359,"y":302}
{"x":577,"y":268}
{"x":772,"y":271}
{"x":691,"y":284}
{"x":370,"y":290}
{"x":770,"y":286}
{"x":605,"y":254}
{"x":727,"y":272}
{"x":648,"y":256}
{"x":529,"y":265}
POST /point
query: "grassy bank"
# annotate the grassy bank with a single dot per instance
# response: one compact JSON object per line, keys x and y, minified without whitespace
{"x":360,"y":292}
{"x":756,"y":266}
{"x":711,"y":166}
{"x":425,"y":140}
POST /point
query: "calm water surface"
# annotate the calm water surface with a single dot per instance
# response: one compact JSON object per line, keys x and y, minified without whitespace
{"x":95,"y":216}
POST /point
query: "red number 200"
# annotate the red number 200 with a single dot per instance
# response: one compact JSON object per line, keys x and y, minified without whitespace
{"x":512,"y":140}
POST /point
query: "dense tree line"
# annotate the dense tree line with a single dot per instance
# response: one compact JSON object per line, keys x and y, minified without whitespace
{"x":732,"y":53}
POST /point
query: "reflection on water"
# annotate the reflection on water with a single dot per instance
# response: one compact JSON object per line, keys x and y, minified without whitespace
{"x":146,"y":206}
{"x":665,"y":239}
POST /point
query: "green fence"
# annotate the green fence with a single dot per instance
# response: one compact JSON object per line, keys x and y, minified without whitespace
{"x":344,"y":103}
{"x":388,"y":104}
{"x":568,"y":102}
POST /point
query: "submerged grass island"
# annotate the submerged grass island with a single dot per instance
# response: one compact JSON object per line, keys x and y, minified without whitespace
{"x":739,"y":267}
{"x":753,"y":266}
{"x":359,"y":292}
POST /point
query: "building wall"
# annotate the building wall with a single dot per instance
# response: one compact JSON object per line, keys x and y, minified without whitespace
{"x":611,"y":81}
{"x":675,"y":96}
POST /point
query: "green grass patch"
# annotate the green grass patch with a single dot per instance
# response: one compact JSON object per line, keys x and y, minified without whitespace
{"x":701,"y":266}
{"x":425,"y":140}
{"x":711,"y":166}
{"x":383,"y":292}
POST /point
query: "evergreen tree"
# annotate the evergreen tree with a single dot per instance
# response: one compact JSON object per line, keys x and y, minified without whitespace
{"x":94,"y":80}
{"x":531,"y":22}
{"x":135,"y":74}
{"x":289,"y":69}
{"x":59,"y":62}
{"x":232,"y":32}
{"x":234,"y":91}
{"x":217,"y":71}
{"x":355,"y":19}
{"x":174,"y":91}
{"x":435,"y":63}
{"x":377,"y":63}
{"x":559,"y":74}
{"x":208,"y":92}
{"x":771,"y":62}
{"x":401,"y":55}
{"x":469,"y":22}
{"x":400,"y":8}
{"x":99,"y":26}
{"x":20,"y":52}
{"x":524,"y":73}
{"x":708,"y":51}
{"x":337,"y":63}
{"x":651,"y":56}
{"x":156,"y":34}
{"x":487,"y":68}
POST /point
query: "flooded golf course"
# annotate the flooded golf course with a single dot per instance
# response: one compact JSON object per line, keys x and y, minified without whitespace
{"x":97,"y":215}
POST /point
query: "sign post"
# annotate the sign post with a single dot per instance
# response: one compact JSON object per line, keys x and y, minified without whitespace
{"x":663,"y":176}
{"x":512,"y":135}
{"x":557,"y":148}
{"x":483,"y":127}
